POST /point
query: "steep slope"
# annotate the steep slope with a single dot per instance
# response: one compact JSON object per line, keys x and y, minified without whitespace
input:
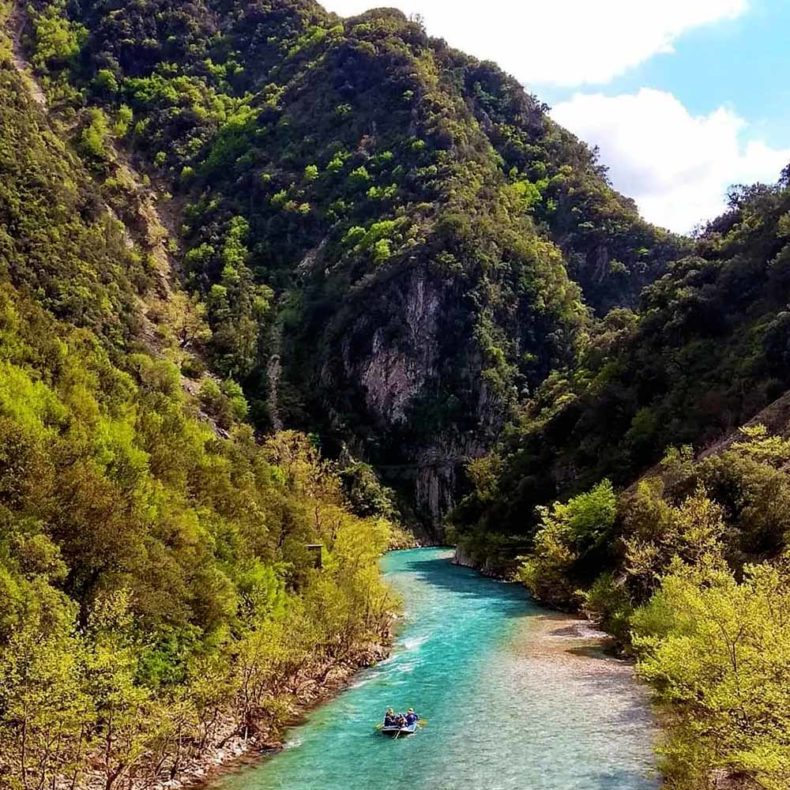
{"x":688,"y":565}
{"x":157,"y":593}
{"x":400,"y":226}
{"x":706,"y":352}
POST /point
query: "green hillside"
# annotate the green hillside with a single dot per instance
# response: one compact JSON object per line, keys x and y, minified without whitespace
{"x":256,"y":262}
{"x":156,"y":588}
{"x":685,"y":558}
{"x":393,"y":241}
{"x":706,"y":350}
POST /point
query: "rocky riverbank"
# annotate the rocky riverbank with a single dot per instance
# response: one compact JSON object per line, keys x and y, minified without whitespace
{"x":229,"y":748}
{"x":309,"y":691}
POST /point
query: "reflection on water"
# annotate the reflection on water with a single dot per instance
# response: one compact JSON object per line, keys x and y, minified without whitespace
{"x":512,"y":701}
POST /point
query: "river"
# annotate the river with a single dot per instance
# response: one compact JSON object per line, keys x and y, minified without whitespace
{"x":512,"y":696}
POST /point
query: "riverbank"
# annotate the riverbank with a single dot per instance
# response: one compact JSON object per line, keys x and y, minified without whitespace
{"x":573,"y":648}
{"x":229,"y":749}
{"x":515,"y":697}
{"x":309,"y":692}
{"x":311,"y":686}
{"x":556,"y":648}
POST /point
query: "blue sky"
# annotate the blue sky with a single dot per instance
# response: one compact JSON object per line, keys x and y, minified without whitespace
{"x":683,"y":97}
{"x":743,"y":63}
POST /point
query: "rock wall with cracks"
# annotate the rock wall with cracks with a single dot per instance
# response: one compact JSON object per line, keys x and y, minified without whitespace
{"x":398,"y":354}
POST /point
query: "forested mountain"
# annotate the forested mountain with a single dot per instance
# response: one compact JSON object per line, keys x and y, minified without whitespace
{"x":157,"y":592}
{"x":238,"y":239}
{"x":625,"y":489}
{"x":706,"y":351}
{"x":393,"y":241}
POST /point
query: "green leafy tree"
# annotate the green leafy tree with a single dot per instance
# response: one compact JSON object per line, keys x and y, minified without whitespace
{"x":689,"y":531}
{"x":93,"y":139}
{"x":46,"y":714}
{"x":567,"y":531}
{"x":126,"y":714}
{"x":717,"y":652}
{"x":58,"y":40}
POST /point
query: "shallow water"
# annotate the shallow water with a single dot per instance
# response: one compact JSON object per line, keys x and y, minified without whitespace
{"x":510,"y":702}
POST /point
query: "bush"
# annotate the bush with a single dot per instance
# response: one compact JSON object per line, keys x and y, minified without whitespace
{"x":58,"y":40}
{"x":567,"y":531}
{"x":716,"y":650}
{"x":608,"y":603}
{"x":93,"y":138}
{"x":105,"y":82}
{"x":193,"y":368}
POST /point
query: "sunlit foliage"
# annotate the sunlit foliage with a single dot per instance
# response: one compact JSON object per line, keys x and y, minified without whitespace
{"x":157,"y":592}
{"x":696,"y":586}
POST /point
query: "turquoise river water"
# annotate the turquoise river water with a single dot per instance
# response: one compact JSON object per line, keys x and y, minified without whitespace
{"x":506,"y":707}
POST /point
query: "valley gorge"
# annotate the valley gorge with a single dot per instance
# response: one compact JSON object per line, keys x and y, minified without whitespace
{"x":428,"y":258}
{"x":283,"y":291}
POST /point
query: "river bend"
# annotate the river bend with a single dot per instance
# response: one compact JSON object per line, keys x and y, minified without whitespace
{"x":513,"y":697}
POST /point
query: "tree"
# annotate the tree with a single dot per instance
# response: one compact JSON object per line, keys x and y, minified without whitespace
{"x":717,"y":651}
{"x":188,"y":318}
{"x":46,"y":714}
{"x":93,"y":139}
{"x":126,"y":715}
{"x":58,"y":40}
{"x":689,"y":531}
{"x":566,"y":532}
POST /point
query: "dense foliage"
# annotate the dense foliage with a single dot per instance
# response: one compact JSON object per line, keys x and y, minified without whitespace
{"x":400,"y":226}
{"x":716,"y":648}
{"x":688,"y":565}
{"x":696,"y":584}
{"x":157,"y":592}
{"x":705,"y":352}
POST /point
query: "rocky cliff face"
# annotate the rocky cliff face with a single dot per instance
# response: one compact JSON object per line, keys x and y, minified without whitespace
{"x":392,"y":368}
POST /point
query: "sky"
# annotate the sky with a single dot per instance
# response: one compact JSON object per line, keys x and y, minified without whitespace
{"x":683,"y":97}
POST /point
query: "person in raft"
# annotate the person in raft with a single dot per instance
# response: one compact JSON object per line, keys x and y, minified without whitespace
{"x":392,"y":719}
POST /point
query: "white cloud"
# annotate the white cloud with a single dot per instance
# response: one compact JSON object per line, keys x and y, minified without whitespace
{"x":560,"y":42}
{"x":675,"y":165}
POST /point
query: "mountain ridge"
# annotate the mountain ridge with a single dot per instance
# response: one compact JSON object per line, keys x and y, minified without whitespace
{"x":409,"y":217}
{"x":704,"y":354}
